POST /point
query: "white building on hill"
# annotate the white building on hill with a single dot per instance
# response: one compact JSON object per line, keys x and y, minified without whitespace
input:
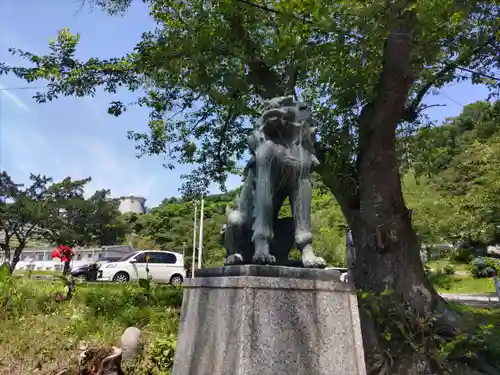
{"x":133,"y":204}
{"x":41,"y":258}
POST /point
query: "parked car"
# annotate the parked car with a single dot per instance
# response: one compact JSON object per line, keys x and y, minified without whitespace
{"x":164,"y":266}
{"x":87,"y":272}
{"x":103,"y":261}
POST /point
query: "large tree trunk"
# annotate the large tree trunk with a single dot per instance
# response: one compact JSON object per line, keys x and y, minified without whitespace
{"x":387,"y":248}
{"x":16,"y":257}
{"x":388,"y":254}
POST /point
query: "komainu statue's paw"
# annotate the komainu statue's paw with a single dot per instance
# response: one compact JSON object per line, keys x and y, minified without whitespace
{"x":312,"y":261}
{"x":233,"y":259}
{"x":263,"y":258}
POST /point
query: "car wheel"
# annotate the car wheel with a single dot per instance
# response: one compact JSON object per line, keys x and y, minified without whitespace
{"x":82,"y":277}
{"x":121,"y":277}
{"x":176,"y":280}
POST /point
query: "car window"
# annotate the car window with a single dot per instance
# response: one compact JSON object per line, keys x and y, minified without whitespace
{"x":162,"y":258}
{"x":126,"y":257}
{"x":141,"y":258}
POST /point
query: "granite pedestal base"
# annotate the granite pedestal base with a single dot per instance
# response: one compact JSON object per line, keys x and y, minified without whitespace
{"x":268,"y":320}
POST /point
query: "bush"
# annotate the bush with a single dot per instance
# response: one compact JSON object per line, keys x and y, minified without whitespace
{"x":485,"y":267}
{"x":158,"y":358}
{"x":427,"y":270}
{"x":440,"y":279}
{"x":403,"y":330}
{"x":18,"y":297}
{"x":449,"y":270}
{"x":463,"y":254}
{"x":129,"y":304}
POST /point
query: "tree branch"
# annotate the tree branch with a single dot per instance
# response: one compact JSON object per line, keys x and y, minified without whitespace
{"x":412,"y":110}
{"x":230,"y":118}
{"x":262,"y":77}
{"x":271,"y":10}
{"x":384,"y":112}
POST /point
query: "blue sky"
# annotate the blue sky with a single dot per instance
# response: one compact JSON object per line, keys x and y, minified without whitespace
{"x":76,"y":137}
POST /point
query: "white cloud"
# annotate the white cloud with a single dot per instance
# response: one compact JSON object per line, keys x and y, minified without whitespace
{"x":27,"y":149}
{"x":13,"y":98}
{"x":111,"y":168}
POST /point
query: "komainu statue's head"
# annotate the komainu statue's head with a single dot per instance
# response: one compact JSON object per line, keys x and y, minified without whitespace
{"x":286,"y":120}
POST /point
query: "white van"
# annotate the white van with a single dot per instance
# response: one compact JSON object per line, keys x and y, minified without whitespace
{"x":164,"y":266}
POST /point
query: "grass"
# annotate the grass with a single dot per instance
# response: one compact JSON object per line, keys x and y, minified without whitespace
{"x":462,"y":285}
{"x":461,"y":282}
{"x":481,"y":346}
{"x":41,"y":334}
{"x":36,"y":272}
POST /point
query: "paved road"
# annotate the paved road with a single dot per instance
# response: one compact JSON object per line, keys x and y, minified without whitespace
{"x":477,"y":300}
{"x":457,"y":273}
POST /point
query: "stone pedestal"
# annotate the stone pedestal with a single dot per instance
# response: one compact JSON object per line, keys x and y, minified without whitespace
{"x":269,"y":320}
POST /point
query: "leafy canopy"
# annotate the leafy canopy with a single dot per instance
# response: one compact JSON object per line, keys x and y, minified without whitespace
{"x":57,"y":213}
{"x":207,"y":65}
{"x":455,"y":175}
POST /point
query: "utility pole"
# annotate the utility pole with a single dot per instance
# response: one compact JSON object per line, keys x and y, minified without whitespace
{"x":193,"y":264}
{"x":200,"y":237}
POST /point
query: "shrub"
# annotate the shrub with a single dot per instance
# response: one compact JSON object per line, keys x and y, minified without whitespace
{"x":18,"y":296}
{"x":464,"y":254}
{"x":440,"y":279}
{"x":449,"y":270}
{"x":158,"y":358}
{"x":427,"y":270}
{"x":485,"y":267}
{"x":130,"y":304}
{"x":403,"y":329}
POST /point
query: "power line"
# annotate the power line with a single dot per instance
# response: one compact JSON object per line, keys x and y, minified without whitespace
{"x":451,"y":100}
{"x":459,"y":68}
{"x":478,"y":73}
{"x":22,"y":88}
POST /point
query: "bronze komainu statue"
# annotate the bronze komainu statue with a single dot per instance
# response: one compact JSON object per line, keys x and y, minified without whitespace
{"x":282,"y":149}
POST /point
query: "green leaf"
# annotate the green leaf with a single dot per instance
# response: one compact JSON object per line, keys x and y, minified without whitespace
{"x":4,"y":272}
{"x":145,"y":284}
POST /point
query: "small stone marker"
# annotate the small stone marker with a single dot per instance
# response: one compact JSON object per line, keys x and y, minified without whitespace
{"x":130,"y":342}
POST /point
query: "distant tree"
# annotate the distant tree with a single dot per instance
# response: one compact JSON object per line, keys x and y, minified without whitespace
{"x":452,"y":186}
{"x":77,"y":221}
{"x":433,"y":148}
{"x":68,"y":221}
{"x":436,"y":216}
{"x":473,"y":178}
{"x":57,"y":213}
{"x":23,"y":211}
{"x":105,"y":223}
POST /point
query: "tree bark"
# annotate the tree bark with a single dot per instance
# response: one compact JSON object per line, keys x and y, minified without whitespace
{"x":16,"y":257}
{"x":387,"y":247}
{"x":6,"y":250}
